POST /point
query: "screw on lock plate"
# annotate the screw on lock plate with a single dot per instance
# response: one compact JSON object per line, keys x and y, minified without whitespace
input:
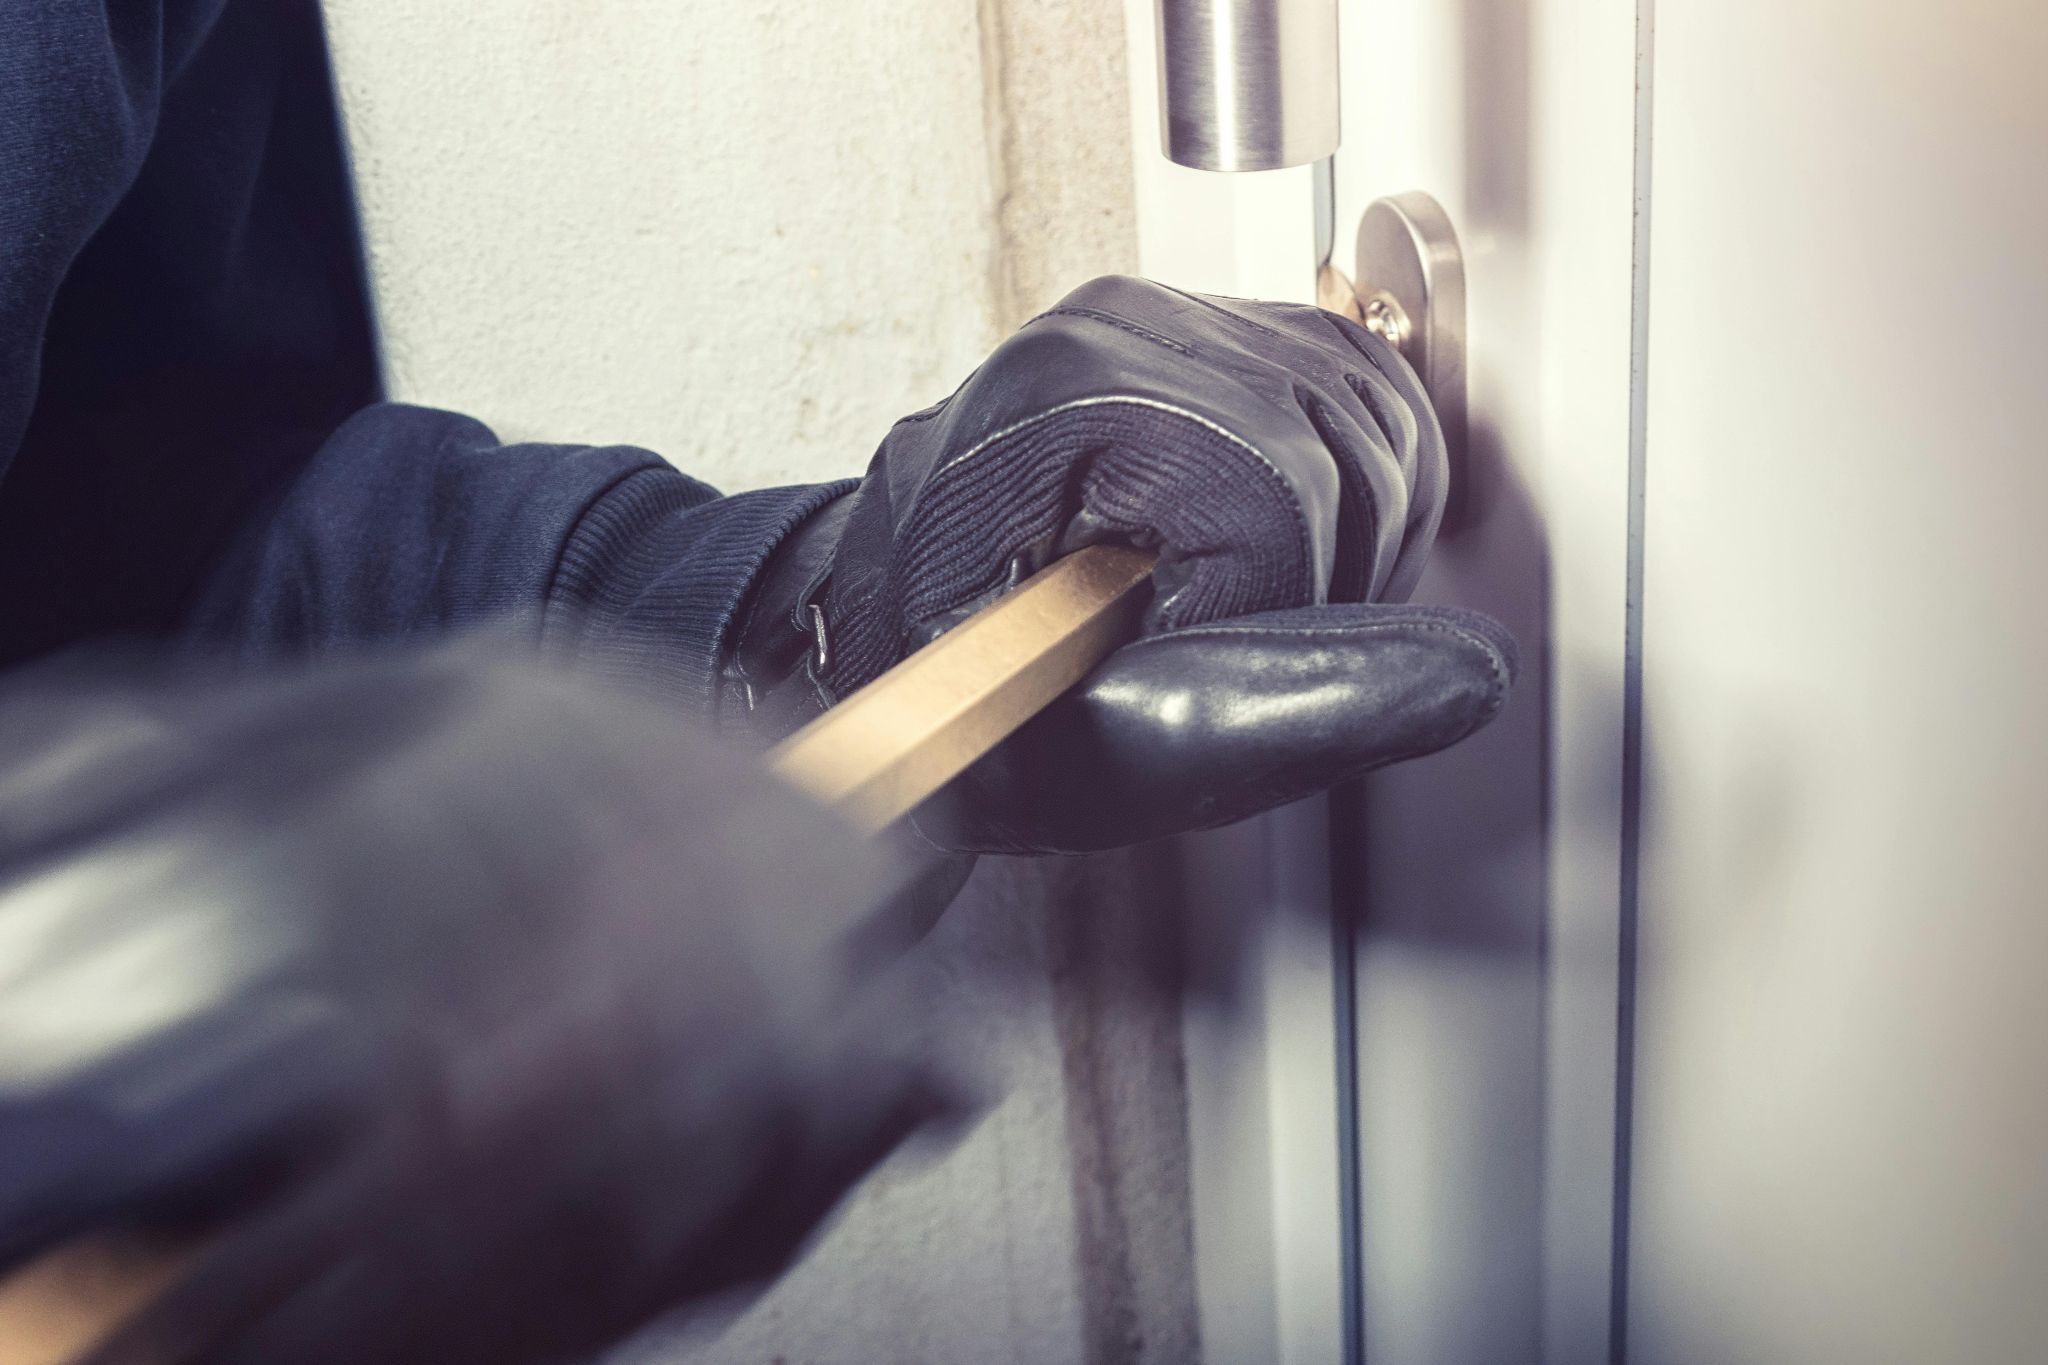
{"x":1385,"y":318}
{"x":1411,"y":291}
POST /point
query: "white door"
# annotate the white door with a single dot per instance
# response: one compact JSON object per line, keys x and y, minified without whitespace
{"x":1698,"y":1004}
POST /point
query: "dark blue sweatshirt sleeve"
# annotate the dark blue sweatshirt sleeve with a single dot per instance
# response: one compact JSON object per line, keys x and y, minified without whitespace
{"x":411,"y":522}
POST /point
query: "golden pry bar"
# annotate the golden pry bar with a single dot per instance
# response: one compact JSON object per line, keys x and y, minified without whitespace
{"x":872,"y":758}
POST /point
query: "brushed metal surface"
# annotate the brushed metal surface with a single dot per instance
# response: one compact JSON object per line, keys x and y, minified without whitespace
{"x":1248,"y":85}
{"x":1411,"y":290}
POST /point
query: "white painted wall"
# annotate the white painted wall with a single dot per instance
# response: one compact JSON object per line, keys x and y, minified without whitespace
{"x":747,"y":236}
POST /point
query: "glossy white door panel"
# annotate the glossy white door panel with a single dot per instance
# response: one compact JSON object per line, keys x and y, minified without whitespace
{"x":1841,"y":1147}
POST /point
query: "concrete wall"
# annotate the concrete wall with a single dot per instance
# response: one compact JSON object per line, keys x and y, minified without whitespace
{"x":749,"y":236}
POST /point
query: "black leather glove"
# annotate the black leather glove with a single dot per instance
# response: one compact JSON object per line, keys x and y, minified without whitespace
{"x":1287,"y":466}
{"x":461,"y":1011}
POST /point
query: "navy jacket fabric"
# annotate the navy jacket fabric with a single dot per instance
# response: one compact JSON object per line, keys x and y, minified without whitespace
{"x":192,"y":447}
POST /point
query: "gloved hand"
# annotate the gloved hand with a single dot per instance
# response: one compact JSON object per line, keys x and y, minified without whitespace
{"x":1291,"y":473}
{"x":471,"y":1012}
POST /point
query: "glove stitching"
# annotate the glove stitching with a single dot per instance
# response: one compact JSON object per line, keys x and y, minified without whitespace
{"x":1145,"y":333}
{"x":1252,"y":323}
{"x":1306,"y":543}
{"x":937,"y":409}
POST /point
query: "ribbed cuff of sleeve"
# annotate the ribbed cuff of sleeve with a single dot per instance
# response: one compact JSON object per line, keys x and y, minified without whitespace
{"x":651,"y":580}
